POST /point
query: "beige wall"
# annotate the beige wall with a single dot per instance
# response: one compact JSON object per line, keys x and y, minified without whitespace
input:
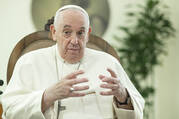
{"x":167,"y":76}
{"x":16,"y":22}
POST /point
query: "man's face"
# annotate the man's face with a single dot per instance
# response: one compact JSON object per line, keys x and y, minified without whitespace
{"x":71,"y":34}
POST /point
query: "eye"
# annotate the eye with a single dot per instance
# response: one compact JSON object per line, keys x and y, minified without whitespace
{"x":67,"y":33}
{"x":81,"y":33}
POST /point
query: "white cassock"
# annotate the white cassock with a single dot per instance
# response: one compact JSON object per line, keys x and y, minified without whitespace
{"x":36,"y":71}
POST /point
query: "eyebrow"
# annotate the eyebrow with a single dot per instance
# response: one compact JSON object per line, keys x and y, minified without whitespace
{"x":83,"y":28}
{"x":67,"y":26}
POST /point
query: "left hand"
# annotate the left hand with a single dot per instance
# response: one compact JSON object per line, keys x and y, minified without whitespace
{"x":113,"y":83}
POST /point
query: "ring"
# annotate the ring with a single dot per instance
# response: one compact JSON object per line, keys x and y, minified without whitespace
{"x":72,"y":89}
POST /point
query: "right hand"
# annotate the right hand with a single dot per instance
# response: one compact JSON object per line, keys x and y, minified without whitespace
{"x":61,"y":89}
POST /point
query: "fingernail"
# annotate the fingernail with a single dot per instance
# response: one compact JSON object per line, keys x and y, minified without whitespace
{"x":100,"y":76}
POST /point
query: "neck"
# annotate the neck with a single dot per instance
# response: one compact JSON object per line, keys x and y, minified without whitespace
{"x":72,"y":61}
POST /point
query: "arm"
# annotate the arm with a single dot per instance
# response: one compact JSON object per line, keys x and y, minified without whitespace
{"x":136,"y":99}
{"x":128,"y":103}
{"x":22,"y":101}
{"x":19,"y":100}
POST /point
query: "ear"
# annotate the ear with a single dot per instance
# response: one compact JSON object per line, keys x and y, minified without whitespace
{"x":53,"y":32}
{"x":89,"y":31}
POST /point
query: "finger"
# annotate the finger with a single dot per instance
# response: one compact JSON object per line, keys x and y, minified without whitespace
{"x":80,"y":88}
{"x":74,"y":74}
{"x":73,"y":94}
{"x":110,"y":86}
{"x":101,"y":76}
{"x":77,"y":81}
{"x":110,"y":80}
{"x":113,"y":74}
{"x":107,"y":93}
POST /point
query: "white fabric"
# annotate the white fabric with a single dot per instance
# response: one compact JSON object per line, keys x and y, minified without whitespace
{"x":35,"y":71}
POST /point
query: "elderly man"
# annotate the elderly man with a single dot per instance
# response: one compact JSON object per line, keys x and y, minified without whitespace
{"x":70,"y":81}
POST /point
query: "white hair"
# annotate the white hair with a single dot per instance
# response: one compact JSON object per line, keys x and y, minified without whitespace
{"x":70,"y":7}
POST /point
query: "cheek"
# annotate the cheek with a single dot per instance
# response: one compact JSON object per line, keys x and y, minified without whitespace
{"x":64,"y":43}
{"x":82,"y":44}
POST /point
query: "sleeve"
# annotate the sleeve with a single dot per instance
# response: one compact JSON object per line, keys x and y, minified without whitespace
{"x":20,"y":100}
{"x":136,"y":99}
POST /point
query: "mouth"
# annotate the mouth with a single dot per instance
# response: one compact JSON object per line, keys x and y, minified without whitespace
{"x":74,"y":49}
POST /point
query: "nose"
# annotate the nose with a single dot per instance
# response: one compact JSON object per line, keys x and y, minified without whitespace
{"x":74,"y":40}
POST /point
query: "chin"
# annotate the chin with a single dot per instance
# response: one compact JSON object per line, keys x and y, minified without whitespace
{"x":73,"y":59}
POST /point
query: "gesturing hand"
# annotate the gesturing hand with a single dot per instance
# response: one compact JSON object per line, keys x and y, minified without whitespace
{"x":62,"y":90}
{"x":117,"y":89}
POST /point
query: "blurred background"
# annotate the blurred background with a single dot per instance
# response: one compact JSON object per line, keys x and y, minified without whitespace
{"x":143,"y":32}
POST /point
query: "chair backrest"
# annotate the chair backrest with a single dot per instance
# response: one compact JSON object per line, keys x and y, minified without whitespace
{"x":42,"y":39}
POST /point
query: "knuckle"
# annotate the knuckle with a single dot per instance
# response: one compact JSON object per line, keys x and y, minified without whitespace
{"x":74,"y":81}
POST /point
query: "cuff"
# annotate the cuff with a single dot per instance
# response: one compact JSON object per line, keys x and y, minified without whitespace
{"x":123,"y":113}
